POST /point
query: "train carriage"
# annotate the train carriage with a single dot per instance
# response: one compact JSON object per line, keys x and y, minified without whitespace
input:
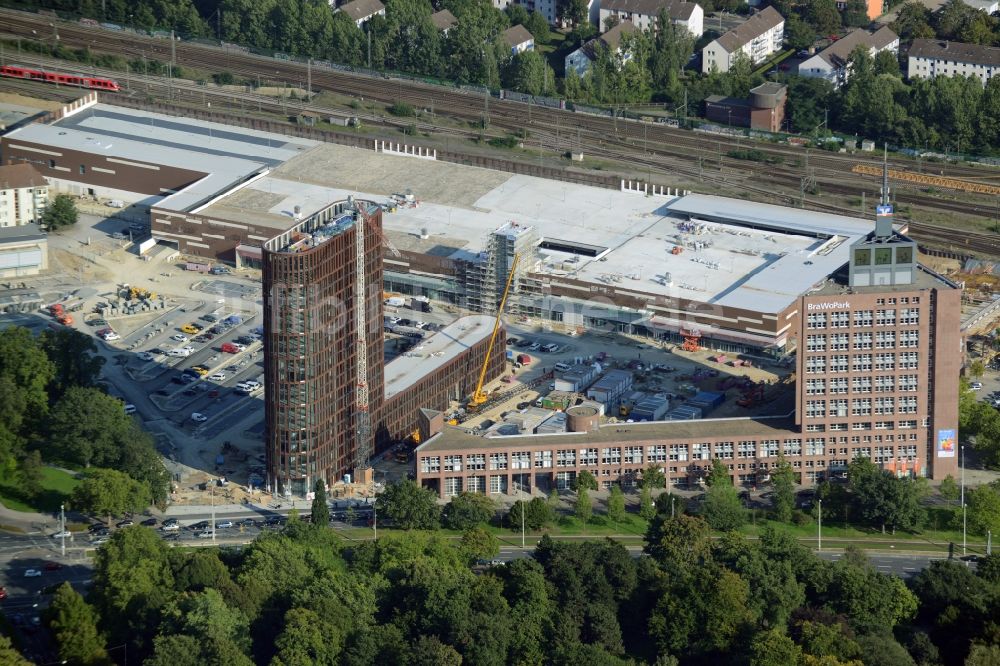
{"x":59,"y":78}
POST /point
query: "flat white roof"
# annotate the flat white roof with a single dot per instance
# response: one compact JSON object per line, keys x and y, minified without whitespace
{"x":737,"y":253}
{"x":435,"y":351}
{"x":227,"y":154}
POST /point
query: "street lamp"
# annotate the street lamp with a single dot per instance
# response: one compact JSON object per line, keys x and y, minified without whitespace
{"x":819,"y":533}
{"x":62,"y":527}
{"x":961,"y":467}
{"x":524,"y":508}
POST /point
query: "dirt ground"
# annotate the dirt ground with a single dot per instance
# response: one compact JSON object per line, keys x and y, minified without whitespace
{"x":440,"y":182}
{"x":622,"y":349}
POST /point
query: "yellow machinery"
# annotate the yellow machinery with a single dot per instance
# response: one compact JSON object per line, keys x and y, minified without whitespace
{"x":478,"y":396}
{"x":926,"y":179}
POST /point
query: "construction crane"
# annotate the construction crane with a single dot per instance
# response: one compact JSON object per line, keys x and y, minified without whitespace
{"x":478,"y":397}
{"x":362,"y":413}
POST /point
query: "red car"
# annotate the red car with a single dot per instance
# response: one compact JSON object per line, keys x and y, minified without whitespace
{"x":52,"y":566}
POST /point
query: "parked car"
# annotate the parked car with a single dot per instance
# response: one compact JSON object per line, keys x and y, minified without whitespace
{"x":63,"y":533}
{"x":223,"y":524}
{"x":210,"y":318}
{"x":52,"y":566}
{"x":128,"y":522}
{"x":130,"y":408}
{"x":204,"y":534}
{"x":149,"y":522}
{"x":32,"y":573}
{"x":180,"y":337}
{"x":218,"y":377}
{"x":976,"y":386}
{"x":144,"y":356}
{"x":246,"y":522}
{"x":97,"y":526}
{"x":198,"y":417}
{"x":170,"y":527}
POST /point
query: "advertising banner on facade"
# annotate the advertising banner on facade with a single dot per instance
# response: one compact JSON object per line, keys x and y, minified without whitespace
{"x":946,"y":444}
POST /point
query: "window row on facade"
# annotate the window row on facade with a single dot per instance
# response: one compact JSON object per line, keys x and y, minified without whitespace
{"x":834,"y":363}
{"x":861,"y":384}
{"x":744,"y":472}
{"x":638,"y":456}
{"x":820,"y":342}
{"x":863,"y":318}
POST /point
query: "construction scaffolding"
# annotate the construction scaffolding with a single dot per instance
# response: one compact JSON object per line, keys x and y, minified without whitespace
{"x":484,"y":279}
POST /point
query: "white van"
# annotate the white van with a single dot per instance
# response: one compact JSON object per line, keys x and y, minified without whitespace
{"x":561,"y":367}
{"x":179,"y":352}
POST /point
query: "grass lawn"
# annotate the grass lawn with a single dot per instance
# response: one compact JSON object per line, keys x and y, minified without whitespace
{"x":56,"y":487}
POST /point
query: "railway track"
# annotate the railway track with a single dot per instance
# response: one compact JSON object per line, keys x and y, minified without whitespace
{"x":642,"y":145}
{"x":510,"y":115}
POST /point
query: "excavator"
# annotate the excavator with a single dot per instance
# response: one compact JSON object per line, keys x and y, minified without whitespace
{"x":479,"y":396}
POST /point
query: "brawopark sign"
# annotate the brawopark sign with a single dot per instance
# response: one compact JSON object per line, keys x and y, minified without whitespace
{"x":832,"y":305}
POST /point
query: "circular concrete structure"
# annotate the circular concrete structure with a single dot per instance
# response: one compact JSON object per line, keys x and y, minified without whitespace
{"x":582,"y":419}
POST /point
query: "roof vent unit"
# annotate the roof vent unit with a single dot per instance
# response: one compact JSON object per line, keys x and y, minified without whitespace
{"x":424,"y":235}
{"x":298,"y":212}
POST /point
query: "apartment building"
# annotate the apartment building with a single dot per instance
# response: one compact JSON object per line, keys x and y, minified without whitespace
{"x":928,"y":58}
{"x":24,"y":194}
{"x":645,"y":14}
{"x":759,"y":37}
{"x":832,"y":63}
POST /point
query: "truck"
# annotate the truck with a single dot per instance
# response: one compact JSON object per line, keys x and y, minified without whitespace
{"x":200,"y":268}
{"x":395,"y":301}
{"x":523,"y":359}
{"x":420,"y":304}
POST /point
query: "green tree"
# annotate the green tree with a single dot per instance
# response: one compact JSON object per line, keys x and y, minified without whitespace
{"x":913,"y":21}
{"x":320,"y":510}
{"x":29,"y":371}
{"x":683,"y":540}
{"x":105,"y":492}
{"x":537,"y":25}
{"x":886,"y":62}
{"x":949,"y":488}
{"x":977,"y":368}
{"x":653,"y":477}
{"x":61,"y":212}
{"x":526,"y":73}
{"x":671,"y":50}
{"x":10,"y":656}
{"x":478,"y":544}
{"x":798,"y":33}
{"x":74,"y":357}
{"x":983,"y":655}
{"x":537,"y":514}
{"x":824,"y":17}
{"x":883,"y":499}
{"x":468,"y":510}
{"x":856,"y":14}
{"x":647,"y":509}
{"x":722,"y":507}
{"x":303,"y":640}
{"x":29,"y":473}
{"x":616,"y":504}
{"x":983,"y":511}
{"x":74,"y":625}
{"x":583,"y":509}
{"x":774,"y":648}
{"x":783,"y":481}
{"x":409,"y":506}
{"x":584,"y":480}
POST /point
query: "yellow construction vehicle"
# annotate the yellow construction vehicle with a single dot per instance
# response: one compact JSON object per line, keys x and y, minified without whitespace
{"x":479,"y":396}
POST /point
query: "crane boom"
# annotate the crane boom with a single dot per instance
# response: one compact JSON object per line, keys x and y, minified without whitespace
{"x":362,"y":416}
{"x":478,"y":397}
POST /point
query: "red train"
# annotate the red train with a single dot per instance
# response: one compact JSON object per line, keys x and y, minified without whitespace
{"x":93,"y":82}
